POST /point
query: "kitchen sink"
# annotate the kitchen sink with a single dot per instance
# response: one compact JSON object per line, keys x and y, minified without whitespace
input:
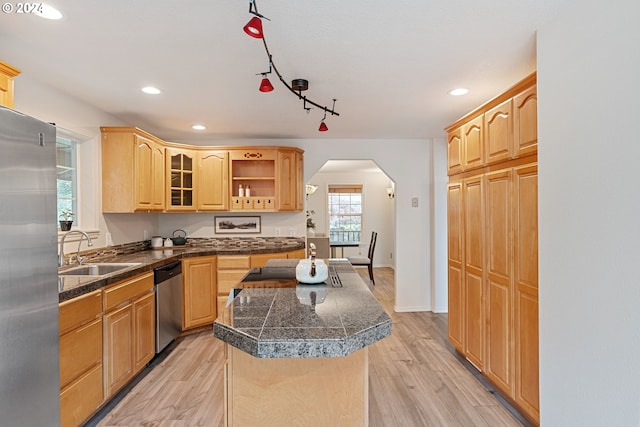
{"x":98,"y":269}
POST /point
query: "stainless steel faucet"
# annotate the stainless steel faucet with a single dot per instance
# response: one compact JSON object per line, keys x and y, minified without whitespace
{"x":79,"y":259}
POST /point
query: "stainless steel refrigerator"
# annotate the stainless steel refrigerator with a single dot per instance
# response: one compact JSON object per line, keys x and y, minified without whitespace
{"x":29,"y":349}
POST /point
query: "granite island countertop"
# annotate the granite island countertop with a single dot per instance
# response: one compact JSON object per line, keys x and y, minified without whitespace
{"x":291,"y":322}
{"x":147,"y":259}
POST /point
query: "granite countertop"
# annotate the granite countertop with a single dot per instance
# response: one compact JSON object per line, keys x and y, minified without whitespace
{"x":147,"y":259}
{"x":284,"y":322}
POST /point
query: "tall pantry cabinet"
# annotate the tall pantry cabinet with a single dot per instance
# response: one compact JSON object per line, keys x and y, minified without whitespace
{"x":493,"y":242}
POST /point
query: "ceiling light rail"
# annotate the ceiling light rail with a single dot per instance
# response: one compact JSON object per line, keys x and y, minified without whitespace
{"x":254,"y":29}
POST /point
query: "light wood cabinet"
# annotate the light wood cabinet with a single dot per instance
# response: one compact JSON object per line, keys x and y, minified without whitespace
{"x":81,"y":392}
{"x":455,"y":222}
{"x":472,"y":144}
{"x":129,"y":330}
{"x":212,"y":185}
{"x":232,"y":268}
{"x":199,"y":276}
{"x":493,"y":243}
{"x":142,"y":173}
{"x":473,"y":193}
{"x":253,"y":169}
{"x":180,"y":178}
{"x":290,"y":178}
{"x":7,"y":74}
{"x":498,"y":132}
{"x":526,"y":122}
{"x":499,"y":248}
{"x":454,"y":151}
{"x":132,"y":171}
{"x":526,"y":290}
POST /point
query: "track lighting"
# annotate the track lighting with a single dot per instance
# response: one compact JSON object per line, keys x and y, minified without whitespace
{"x":254,"y":29}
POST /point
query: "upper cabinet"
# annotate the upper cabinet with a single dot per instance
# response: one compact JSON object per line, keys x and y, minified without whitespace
{"x":132,"y":171}
{"x":290,"y":179}
{"x":141,"y":173}
{"x":181,"y":177}
{"x":504,"y":128}
{"x":7,"y":73}
{"x":212,"y":185}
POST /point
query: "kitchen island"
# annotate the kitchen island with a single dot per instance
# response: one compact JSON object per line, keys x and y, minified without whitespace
{"x":297,"y":354}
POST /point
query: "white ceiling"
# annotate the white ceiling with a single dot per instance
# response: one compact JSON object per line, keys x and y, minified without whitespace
{"x":390,"y":64}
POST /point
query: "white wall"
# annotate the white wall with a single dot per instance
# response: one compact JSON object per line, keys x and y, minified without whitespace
{"x":589,"y":215}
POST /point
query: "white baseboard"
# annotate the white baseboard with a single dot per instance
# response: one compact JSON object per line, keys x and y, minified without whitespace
{"x":409,"y":309}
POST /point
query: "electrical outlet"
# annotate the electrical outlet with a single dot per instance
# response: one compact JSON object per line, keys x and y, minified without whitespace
{"x":278,"y":232}
{"x":414,"y":202}
{"x":292,"y":231}
{"x":145,"y":235}
{"x":109,"y":239}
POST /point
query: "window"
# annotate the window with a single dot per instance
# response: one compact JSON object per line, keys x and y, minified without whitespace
{"x":66,"y":176}
{"x":345,"y":213}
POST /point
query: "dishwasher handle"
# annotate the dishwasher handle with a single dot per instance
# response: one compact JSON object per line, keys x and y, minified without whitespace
{"x":167,"y":271}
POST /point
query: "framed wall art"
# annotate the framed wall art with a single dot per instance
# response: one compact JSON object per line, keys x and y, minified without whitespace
{"x":237,"y":224}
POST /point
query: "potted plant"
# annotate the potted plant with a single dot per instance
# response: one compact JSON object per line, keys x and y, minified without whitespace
{"x":66,"y":219}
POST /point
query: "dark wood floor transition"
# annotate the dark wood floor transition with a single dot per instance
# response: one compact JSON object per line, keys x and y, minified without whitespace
{"x":415,"y":379}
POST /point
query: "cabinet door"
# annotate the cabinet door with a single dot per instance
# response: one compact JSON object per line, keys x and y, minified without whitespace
{"x":498,"y":132}
{"x":180,"y":179}
{"x":158,"y":176}
{"x":7,"y":73}
{"x":213,"y":181}
{"x":454,"y":152}
{"x":498,"y":249}
{"x":200,"y":302}
{"x":259,"y":260}
{"x":526,"y":288}
{"x":525,"y":108}
{"x":455,"y":264}
{"x":118,"y":349}
{"x":289,"y":181}
{"x":472,"y":144}
{"x":474,"y":261}
{"x":144,"y":328}
{"x":143,"y":155}
{"x":81,"y":398}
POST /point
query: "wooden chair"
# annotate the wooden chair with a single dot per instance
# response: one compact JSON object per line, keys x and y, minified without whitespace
{"x":369,"y":260}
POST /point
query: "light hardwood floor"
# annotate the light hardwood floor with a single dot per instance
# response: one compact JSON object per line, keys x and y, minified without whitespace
{"x":414,"y":380}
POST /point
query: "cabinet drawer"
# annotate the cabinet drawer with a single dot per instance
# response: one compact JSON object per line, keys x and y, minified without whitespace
{"x":81,"y":398}
{"x":127,"y":290}
{"x":230,"y":262}
{"x":228,"y":279}
{"x":258,"y":260}
{"x":80,"y":310}
{"x":80,"y":349}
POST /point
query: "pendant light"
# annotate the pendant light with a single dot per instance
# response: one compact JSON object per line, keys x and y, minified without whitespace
{"x":265,"y":85}
{"x":323,"y":126}
{"x":254,"y":28}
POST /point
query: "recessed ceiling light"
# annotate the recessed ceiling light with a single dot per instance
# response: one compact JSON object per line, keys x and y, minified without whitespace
{"x":198,"y":127}
{"x":48,"y":12}
{"x":151,"y":90}
{"x":459,"y":91}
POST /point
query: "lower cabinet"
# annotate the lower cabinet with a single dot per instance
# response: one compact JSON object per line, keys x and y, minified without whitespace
{"x":232,"y":268}
{"x":81,"y":391}
{"x":129,"y":309}
{"x":199,"y":291}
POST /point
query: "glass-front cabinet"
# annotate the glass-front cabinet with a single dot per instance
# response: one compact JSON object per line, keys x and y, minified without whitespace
{"x":180,"y":175}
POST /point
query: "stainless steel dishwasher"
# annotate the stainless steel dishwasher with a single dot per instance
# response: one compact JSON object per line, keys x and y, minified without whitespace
{"x":168,"y":288}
